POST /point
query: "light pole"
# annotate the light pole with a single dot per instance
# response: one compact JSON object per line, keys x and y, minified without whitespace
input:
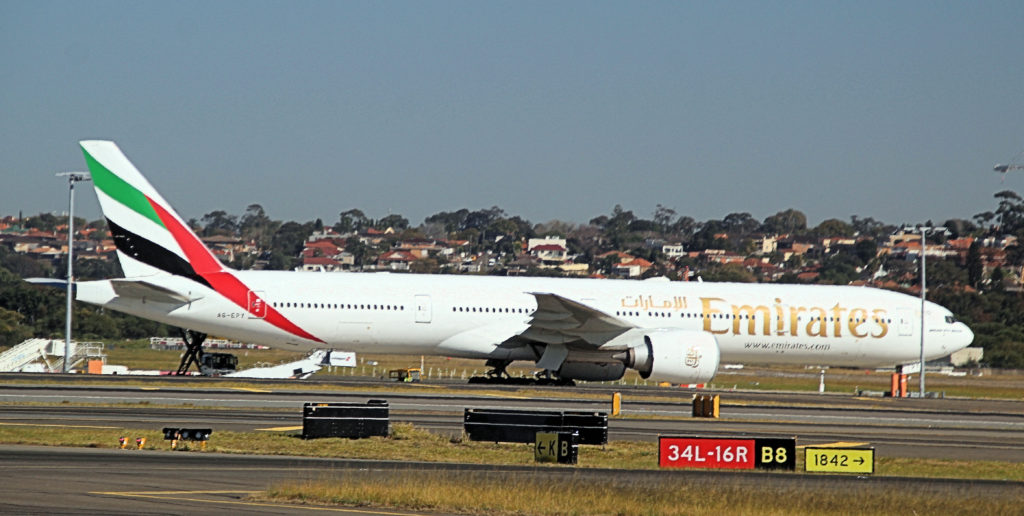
{"x":924,"y":245}
{"x":73,"y":177}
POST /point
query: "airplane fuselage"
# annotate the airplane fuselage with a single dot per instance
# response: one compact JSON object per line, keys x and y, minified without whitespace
{"x":582,"y":329}
{"x":470,"y":316}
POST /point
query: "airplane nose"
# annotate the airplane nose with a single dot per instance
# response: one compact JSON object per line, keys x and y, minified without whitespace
{"x":966,"y":336}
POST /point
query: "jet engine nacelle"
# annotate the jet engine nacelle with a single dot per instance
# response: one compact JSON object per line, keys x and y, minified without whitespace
{"x":677,"y":356}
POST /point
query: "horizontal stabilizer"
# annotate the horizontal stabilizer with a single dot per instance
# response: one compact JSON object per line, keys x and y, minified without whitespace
{"x":49,"y":282}
{"x":149,"y":292}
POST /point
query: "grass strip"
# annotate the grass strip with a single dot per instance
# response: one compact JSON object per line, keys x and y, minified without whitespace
{"x":409,"y":443}
{"x":537,"y":495}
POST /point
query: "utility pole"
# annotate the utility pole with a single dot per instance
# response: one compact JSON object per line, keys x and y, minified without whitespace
{"x":73,"y":177}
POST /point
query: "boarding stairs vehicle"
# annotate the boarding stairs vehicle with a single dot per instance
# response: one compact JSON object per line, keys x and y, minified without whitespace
{"x":21,"y":358}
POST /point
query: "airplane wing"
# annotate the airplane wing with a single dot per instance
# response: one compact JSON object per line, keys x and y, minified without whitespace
{"x":146,"y":291}
{"x":559,"y":320}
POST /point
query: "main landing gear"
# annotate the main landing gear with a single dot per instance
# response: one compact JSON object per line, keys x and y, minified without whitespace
{"x":499,"y":376}
{"x":193,"y":350}
{"x":208,"y":364}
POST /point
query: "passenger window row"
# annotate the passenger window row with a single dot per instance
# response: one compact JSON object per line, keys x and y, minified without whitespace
{"x":340,"y":306}
{"x":488,"y":309}
{"x":623,"y":313}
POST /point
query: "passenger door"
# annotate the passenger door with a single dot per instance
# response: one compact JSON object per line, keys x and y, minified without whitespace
{"x":423,"y":312}
{"x":905,"y":322}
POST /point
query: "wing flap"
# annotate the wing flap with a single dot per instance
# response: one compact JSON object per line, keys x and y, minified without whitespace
{"x":559,"y":320}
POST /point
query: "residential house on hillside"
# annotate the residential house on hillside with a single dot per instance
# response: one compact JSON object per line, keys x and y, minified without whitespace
{"x":321,"y":263}
{"x":396,"y":260}
{"x":374,"y":236}
{"x":766,"y":244}
{"x":227,"y":248}
{"x":718,"y":256}
{"x":551,"y":255}
{"x":673,"y":250}
{"x":327,"y":253}
{"x":632,"y":268}
{"x":419,"y":247}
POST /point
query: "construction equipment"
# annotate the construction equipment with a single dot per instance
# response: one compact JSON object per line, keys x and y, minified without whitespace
{"x":411,"y":375}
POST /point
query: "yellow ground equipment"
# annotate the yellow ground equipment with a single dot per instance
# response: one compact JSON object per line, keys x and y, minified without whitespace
{"x":411,"y":374}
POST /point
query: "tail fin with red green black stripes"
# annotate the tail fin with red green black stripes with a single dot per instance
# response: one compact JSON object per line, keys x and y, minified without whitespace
{"x":150,"y":237}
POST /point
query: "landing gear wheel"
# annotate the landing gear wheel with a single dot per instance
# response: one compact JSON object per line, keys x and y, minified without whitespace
{"x":498,"y":368}
{"x":498,"y":375}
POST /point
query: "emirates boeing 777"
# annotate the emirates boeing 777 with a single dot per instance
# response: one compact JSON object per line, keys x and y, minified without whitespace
{"x":573,"y":329}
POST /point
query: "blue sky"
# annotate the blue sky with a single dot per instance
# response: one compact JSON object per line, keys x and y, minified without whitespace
{"x":550,"y":110}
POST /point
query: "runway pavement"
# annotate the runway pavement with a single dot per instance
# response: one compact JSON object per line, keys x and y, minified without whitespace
{"x":50,"y":480}
{"x":934,"y":428}
{"x":44,"y":480}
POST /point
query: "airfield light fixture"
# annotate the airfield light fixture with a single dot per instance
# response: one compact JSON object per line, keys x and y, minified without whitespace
{"x":72,"y":177}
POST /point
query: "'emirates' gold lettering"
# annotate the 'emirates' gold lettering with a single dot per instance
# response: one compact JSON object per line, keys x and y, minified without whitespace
{"x":708,"y":312}
{"x":858,"y":316}
{"x":793,"y":321}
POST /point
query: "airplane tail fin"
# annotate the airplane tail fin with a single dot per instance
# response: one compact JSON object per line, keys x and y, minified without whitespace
{"x":150,"y":237}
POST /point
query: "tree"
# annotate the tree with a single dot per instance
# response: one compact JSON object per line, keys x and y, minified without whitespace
{"x":959,"y":227}
{"x":353,"y":220}
{"x":975,"y":266}
{"x":644,"y":226}
{"x":1010,"y":211}
{"x":12,"y":331}
{"x":481,"y":219}
{"x":785,"y":222}
{"x":23,"y":266}
{"x":394,"y":221}
{"x":663,"y":217}
{"x":616,"y":227}
{"x":219,"y":222}
{"x":868,"y":226}
{"x":255,"y":225}
{"x":44,"y":222}
{"x":452,"y":221}
{"x":839,"y":269}
{"x":361,"y":253}
{"x":984,"y":219}
{"x":732,"y":272}
{"x":287,"y":243}
{"x":741,"y":224}
{"x":996,"y":278}
{"x":833,"y":227}
{"x":865,"y":250}
{"x":95,"y":269}
{"x":705,"y":237}
{"x":684,"y":227}
{"x":944,"y":273}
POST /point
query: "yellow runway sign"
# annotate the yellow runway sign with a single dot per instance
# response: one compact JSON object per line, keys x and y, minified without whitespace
{"x":839,"y":460}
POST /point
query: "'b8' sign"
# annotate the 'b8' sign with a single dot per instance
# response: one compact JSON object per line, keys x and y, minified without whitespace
{"x":724,"y":453}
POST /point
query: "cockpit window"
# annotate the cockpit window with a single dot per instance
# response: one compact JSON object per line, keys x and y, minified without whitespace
{"x":950,"y":319}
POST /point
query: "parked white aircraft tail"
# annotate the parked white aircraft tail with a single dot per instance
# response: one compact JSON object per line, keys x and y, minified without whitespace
{"x":584,"y":329}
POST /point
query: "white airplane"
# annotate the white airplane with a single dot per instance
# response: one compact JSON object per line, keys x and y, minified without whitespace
{"x":575,"y":329}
